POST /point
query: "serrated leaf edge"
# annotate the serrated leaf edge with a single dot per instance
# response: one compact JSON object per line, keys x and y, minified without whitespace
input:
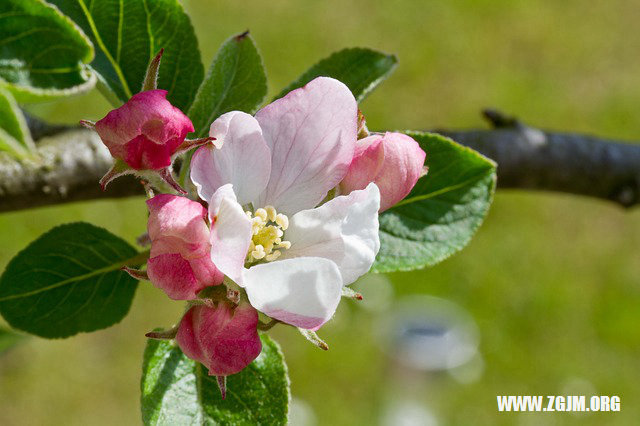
{"x":30,"y":93}
{"x":365,"y":91}
{"x":200,"y":91}
{"x":376,"y":269}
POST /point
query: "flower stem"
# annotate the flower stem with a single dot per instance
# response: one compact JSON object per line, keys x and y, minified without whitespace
{"x":163,"y":334}
{"x":262,"y":326}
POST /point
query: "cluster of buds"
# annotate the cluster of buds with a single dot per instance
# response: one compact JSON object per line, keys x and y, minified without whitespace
{"x":322,"y":180}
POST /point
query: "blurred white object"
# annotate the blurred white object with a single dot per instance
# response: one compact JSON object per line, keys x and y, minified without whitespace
{"x":407,"y":413}
{"x":301,"y":413}
{"x":428,"y":333}
{"x":577,"y":386}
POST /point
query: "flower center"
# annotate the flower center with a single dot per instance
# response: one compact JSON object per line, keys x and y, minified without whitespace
{"x":267,"y":227}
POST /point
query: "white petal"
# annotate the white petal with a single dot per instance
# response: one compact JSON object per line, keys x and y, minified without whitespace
{"x":243,"y":159}
{"x":230,"y":233}
{"x":312,"y":134}
{"x":344,"y":230}
{"x":304,"y":292}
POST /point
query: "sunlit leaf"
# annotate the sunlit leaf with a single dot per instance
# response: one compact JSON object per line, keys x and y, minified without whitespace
{"x":442,"y":212}
{"x":14,"y":133}
{"x":43,"y":54}
{"x":362,"y":70}
{"x":68,"y":281}
{"x":178,"y":391}
{"x":128,"y":34}
{"x":236,"y":81}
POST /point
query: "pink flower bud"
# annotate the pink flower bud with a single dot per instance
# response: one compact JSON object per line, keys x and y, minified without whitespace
{"x":180,"y":262}
{"x":146,"y":131}
{"x":393,"y":161}
{"x":224,"y":338}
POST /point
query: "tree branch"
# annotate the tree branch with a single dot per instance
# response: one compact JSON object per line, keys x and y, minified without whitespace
{"x":74,"y":159}
{"x":530,"y":158}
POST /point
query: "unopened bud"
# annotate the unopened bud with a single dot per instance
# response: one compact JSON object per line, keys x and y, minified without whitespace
{"x":224,"y":338}
{"x":182,"y":266}
{"x":393,"y":161}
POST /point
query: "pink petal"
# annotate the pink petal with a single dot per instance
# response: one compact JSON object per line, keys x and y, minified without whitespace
{"x":230,"y":233}
{"x":224,"y":339}
{"x":344,"y":230}
{"x":150,"y":115}
{"x":205,"y":271}
{"x":177,"y":217}
{"x":304,"y":291}
{"x":393,"y":161}
{"x":180,"y":263}
{"x":143,"y":154}
{"x":174,"y":275}
{"x":243,"y":158}
{"x":312,"y":133}
{"x":367,"y":162}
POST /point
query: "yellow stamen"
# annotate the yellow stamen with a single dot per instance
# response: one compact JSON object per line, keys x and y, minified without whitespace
{"x":258,"y":252}
{"x":271,"y":213}
{"x":267,"y":228}
{"x":273,"y":256}
{"x":262,"y":214}
{"x":284,"y":245}
{"x":282,"y":221}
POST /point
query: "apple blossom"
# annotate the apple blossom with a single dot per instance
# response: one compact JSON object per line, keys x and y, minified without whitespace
{"x":265,"y":182}
{"x":180,"y":263}
{"x":393,"y":161}
{"x":224,"y":338}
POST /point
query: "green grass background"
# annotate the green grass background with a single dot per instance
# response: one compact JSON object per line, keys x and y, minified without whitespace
{"x":551,"y":280}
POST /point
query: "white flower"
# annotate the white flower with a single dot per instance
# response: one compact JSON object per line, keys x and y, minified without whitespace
{"x":264,"y":182}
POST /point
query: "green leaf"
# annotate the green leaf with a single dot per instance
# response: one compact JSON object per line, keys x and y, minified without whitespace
{"x":236,"y":81}
{"x":443,"y":210}
{"x":15,"y":137}
{"x":43,"y":54}
{"x":178,"y":391}
{"x":68,"y":281}
{"x":128,"y":34}
{"x":9,"y":339}
{"x":362,"y":70}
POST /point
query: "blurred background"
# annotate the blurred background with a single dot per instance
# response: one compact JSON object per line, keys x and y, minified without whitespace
{"x":544,"y":301}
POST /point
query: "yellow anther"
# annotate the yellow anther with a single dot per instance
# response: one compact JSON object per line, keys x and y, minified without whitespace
{"x":282,"y":221}
{"x":267,"y":228}
{"x":262,"y":214}
{"x":273,"y":256}
{"x":257,"y":225}
{"x":271,"y":213}
{"x":284,"y":245}
{"x":258,"y":252}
